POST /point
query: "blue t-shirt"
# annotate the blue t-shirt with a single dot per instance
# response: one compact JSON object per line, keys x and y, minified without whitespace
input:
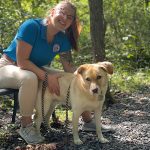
{"x":34,"y":32}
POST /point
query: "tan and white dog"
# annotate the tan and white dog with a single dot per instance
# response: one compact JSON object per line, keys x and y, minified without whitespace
{"x":88,"y":86}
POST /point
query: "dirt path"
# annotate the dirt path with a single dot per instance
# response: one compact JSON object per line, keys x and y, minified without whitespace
{"x":130,"y":118}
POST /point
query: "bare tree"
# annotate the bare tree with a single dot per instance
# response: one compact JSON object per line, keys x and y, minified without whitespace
{"x":98,"y":29}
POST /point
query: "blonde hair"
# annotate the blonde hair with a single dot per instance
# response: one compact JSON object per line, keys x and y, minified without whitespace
{"x":74,"y":30}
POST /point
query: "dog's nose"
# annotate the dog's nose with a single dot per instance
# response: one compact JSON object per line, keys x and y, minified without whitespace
{"x":95,"y":90}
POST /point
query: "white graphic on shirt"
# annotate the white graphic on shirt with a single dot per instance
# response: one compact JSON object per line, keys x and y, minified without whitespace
{"x":56,"y":48}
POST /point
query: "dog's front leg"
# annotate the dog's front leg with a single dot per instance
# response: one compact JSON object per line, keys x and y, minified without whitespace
{"x":75,"y":121}
{"x":49,"y":113}
{"x":98,"y":127}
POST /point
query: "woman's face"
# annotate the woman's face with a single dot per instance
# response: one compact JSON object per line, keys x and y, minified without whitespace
{"x":62,"y":16}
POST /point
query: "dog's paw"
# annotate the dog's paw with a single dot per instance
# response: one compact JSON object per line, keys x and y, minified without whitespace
{"x":78,"y":142}
{"x":103,"y":140}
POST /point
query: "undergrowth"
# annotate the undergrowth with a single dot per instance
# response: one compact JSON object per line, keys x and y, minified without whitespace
{"x":129,"y":82}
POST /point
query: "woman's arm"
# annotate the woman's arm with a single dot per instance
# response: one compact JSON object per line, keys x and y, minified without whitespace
{"x":66,"y":60}
{"x":23,"y":53}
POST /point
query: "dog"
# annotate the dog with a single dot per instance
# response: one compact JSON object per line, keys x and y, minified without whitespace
{"x":88,"y":86}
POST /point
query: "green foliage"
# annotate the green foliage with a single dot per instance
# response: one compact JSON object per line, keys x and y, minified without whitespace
{"x":5,"y":103}
{"x":61,"y":112}
{"x":127,"y":36}
{"x":130,"y":81}
{"x":14,"y":12}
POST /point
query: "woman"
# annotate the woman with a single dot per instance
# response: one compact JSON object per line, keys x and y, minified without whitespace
{"x":36,"y":43}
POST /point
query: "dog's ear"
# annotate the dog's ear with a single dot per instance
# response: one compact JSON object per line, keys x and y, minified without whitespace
{"x":107,"y":66}
{"x":80,"y":70}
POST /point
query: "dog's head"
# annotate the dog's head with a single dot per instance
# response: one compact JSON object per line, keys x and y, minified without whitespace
{"x":94,"y":76}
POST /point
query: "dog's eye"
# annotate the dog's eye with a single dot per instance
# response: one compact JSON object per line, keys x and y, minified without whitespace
{"x":88,"y":79}
{"x":99,"y":77}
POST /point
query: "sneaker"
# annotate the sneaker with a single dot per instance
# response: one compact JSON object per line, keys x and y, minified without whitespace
{"x":30,"y":135}
{"x":91,"y":126}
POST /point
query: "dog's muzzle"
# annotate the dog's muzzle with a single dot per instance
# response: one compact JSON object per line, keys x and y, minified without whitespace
{"x":95,"y":91}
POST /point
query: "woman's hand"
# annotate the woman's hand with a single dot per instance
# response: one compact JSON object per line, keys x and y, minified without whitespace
{"x":53,"y":83}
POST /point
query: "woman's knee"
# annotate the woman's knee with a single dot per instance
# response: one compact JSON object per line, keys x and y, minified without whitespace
{"x":30,"y":78}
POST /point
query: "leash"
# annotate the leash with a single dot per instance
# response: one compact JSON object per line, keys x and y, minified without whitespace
{"x":44,"y":85}
{"x":49,"y":130}
{"x":66,"y":139}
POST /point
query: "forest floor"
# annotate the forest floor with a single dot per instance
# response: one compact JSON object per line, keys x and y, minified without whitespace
{"x":130,"y":117}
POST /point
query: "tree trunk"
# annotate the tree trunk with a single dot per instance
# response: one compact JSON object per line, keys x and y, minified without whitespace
{"x":97,"y":29}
